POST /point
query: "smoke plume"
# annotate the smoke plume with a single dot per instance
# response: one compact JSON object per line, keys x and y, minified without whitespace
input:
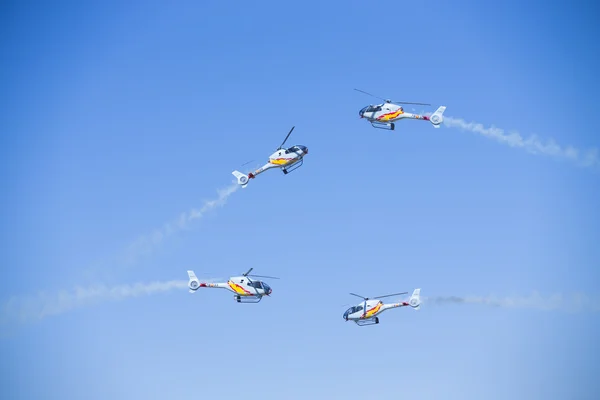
{"x":44,"y":305}
{"x":589,"y":158}
{"x":556,"y":302}
{"x":145,"y":244}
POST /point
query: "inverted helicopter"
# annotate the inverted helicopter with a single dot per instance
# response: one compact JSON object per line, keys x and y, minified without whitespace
{"x":245,"y":290}
{"x":288,"y":160}
{"x":366,"y":313}
{"x":384,"y":115}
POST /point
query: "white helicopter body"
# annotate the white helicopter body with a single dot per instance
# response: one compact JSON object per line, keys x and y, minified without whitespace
{"x":245,"y":290}
{"x":366,"y":313}
{"x":385,"y":115}
{"x":281,"y":158}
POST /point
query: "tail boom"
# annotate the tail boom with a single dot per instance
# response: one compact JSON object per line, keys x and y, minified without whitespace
{"x":414,"y":301}
{"x":195,"y":284}
{"x":243,"y":179}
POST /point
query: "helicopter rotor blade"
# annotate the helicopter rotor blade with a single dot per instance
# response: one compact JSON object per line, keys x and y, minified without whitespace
{"x":377,"y":97}
{"x":404,"y":102}
{"x":354,"y":294}
{"x":246,"y":274}
{"x":388,"y":295}
{"x":286,"y":138}
{"x":263,"y":276}
{"x":390,"y":101}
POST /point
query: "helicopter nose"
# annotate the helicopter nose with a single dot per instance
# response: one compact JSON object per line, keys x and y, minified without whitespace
{"x":360,"y":113}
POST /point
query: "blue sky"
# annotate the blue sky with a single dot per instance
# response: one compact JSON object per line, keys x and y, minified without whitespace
{"x":119,"y":118}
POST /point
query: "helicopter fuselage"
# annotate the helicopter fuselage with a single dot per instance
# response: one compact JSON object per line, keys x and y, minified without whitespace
{"x":245,"y":290}
{"x":387,"y":113}
{"x":242,"y":286}
{"x":369,"y":309}
{"x":289,"y":156}
{"x":282,"y":158}
{"x":384,"y":115}
{"x":366,"y":312}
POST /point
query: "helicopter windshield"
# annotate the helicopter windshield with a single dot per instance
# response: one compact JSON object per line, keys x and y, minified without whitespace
{"x":369,"y":109}
{"x":256,"y":284}
{"x":297,"y":148}
{"x":352,"y":310}
{"x":266,"y":287}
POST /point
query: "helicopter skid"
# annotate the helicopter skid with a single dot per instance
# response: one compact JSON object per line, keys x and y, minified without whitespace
{"x":365,"y":322}
{"x":247,"y":299}
{"x":293,"y":167}
{"x":388,"y":126}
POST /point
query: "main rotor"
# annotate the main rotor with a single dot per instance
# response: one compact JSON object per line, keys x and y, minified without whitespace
{"x":390,"y":101}
{"x":286,"y":138}
{"x":378,"y":297}
{"x":247,"y":274}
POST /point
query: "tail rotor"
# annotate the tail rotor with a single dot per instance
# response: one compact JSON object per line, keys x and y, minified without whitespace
{"x":437,"y":117}
{"x":241,"y":178}
{"x":193,"y":283}
{"x":415,"y":299}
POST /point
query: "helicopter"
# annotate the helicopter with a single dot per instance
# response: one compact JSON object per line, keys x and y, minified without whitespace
{"x":245,"y":289}
{"x":281,"y":158}
{"x":384,"y":116}
{"x":366,"y":313}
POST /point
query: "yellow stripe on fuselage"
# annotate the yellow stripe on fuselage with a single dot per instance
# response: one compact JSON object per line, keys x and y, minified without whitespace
{"x":281,"y":161}
{"x":238,"y":289}
{"x":389,"y":116}
{"x":373,"y":311}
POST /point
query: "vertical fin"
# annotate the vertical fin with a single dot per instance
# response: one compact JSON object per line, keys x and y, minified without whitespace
{"x":438,"y":116}
{"x":241,"y":178}
{"x":193,"y":282}
{"x":415,"y":299}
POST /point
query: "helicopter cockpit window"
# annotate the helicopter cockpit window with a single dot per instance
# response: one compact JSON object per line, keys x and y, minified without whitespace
{"x":354,"y":309}
{"x":255,"y":284}
{"x":373,"y":109}
{"x":292,"y":149}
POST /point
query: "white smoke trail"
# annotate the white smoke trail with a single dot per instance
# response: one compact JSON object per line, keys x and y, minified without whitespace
{"x":145,"y":244}
{"x":45,"y":305}
{"x":534,"y":145}
{"x":556,"y":302}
